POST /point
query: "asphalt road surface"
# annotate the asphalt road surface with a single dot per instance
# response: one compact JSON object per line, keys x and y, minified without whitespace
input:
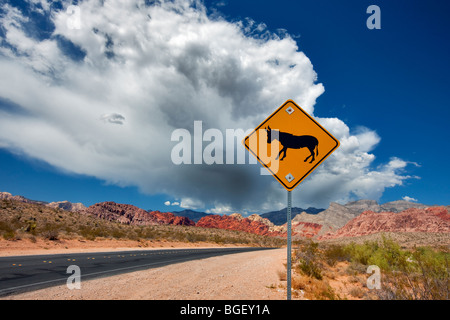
{"x":27,"y":273}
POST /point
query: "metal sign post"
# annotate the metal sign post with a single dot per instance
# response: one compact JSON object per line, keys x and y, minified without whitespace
{"x":299,"y":137}
{"x":288,"y":285}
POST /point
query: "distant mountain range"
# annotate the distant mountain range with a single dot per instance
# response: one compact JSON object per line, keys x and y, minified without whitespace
{"x":337,"y":215}
{"x":336,"y":221}
{"x":276,"y":217}
{"x":280,"y":217}
{"x":191,"y":214}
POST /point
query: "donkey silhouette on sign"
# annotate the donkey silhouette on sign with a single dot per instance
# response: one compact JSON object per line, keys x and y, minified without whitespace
{"x":289,"y":141}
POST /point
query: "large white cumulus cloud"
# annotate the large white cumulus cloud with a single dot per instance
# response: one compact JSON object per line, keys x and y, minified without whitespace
{"x":103,"y":100}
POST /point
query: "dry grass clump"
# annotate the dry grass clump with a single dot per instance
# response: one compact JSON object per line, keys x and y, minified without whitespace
{"x":313,"y":289}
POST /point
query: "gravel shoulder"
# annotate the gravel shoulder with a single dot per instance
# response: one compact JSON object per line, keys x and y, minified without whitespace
{"x":240,"y":276}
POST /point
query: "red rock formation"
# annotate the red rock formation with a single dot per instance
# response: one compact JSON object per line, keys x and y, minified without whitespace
{"x":433,"y":219}
{"x":129,"y":214}
{"x":257,"y":226}
{"x":305,"y":229}
{"x":123,"y":213}
{"x":236,"y":223}
{"x":170,"y":218}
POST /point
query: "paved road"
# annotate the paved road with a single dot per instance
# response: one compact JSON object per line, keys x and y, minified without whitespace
{"x":26,"y":273}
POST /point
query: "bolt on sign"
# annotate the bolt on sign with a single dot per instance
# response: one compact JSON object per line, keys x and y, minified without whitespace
{"x":290,"y":144}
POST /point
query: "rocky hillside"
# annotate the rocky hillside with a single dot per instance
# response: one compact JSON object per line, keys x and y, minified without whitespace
{"x":337,"y":215}
{"x":9,"y":196}
{"x":305,"y":229}
{"x":394,"y":206}
{"x":253,"y":224}
{"x":68,"y":206}
{"x":129,"y":214}
{"x":123,"y":213}
{"x":267,"y":222}
{"x":258,"y":225}
{"x":433,"y":219}
{"x":64,"y":205}
{"x":331,"y":219}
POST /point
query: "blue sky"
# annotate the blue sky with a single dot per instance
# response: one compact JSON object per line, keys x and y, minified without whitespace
{"x":393,"y":80}
{"x":388,"y":87}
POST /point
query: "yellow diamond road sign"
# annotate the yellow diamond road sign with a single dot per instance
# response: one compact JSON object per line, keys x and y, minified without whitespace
{"x":290,"y":144}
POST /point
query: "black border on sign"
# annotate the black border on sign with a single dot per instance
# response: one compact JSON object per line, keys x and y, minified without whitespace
{"x":310,"y":170}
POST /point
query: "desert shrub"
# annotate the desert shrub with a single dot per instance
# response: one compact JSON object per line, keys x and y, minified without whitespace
{"x":355,"y":268}
{"x":132,"y":235}
{"x":309,"y":260}
{"x":9,"y":235}
{"x":31,"y":226}
{"x":389,"y":256}
{"x":420,"y":274}
{"x":433,"y":268}
{"x":361,"y":253}
{"x":6,"y":226}
{"x":335,"y":253}
{"x":195,"y":237}
{"x":87,"y":232}
{"x":424,"y":276}
{"x":51,"y":234}
{"x":47,"y":230}
{"x":118,"y":233}
{"x":282,"y":275}
{"x":218,"y":239}
{"x":150,"y":233}
{"x":10,"y":225}
{"x":12,"y":228}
